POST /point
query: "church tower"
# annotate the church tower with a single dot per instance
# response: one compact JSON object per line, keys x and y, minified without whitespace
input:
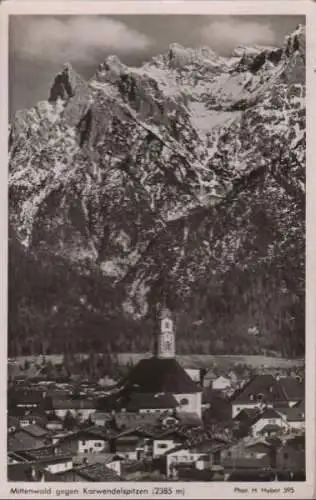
{"x":166,"y":339}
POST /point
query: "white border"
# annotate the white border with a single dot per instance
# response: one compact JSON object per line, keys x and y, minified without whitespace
{"x":192,"y":489}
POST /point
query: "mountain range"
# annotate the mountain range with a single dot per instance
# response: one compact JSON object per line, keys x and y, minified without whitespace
{"x":180,"y":182}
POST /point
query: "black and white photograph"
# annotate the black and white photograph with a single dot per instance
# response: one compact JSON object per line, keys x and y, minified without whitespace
{"x":156,"y":327}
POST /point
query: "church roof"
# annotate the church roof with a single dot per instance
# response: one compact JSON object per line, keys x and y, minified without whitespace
{"x":159,"y":375}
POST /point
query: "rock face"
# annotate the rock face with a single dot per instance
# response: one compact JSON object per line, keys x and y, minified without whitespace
{"x":180,"y":181}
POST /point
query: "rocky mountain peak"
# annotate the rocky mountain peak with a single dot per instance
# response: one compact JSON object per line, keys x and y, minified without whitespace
{"x":65,"y":84}
{"x":110,"y":70}
{"x":169,"y":179}
{"x":296,"y":41}
{"x":179,"y":57}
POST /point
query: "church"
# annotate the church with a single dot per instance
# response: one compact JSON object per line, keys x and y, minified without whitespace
{"x":162,"y":378}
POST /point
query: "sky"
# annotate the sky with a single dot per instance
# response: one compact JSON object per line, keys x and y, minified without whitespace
{"x":40,"y":45}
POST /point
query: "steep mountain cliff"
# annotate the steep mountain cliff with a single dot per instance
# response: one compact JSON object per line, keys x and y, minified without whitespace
{"x":181,"y":181}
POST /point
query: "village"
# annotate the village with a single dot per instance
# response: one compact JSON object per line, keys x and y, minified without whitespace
{"x":158,"y":422}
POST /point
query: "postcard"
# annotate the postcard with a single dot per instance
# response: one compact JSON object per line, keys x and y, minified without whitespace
{"x":158,"y":283}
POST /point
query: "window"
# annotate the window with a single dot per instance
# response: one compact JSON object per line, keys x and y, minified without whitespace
{"x":162,"y":445}
{"x":83,"y":442}
{"x":167,"y":324}
{"x":98,"y":445}
{"x":229,"y":454}
{"x":184,"y":401}
{"x":167,"y":345}
{"x":285,"y":456}
{"x":169,"y":421}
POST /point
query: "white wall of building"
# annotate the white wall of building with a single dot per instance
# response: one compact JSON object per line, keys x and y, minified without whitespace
{"x":221,"y":383}
{"x":299,"y":426}
{"x":237,"y":407}
{"x":183,"y":456}
{"x":161,"y":446}
{"x":59,"y":467}
{"x":191,"y":403}
{"x":260,"y":424}
{"x":91,"y":445}
{"x":81,"y":414}
{"x":115,"y":466}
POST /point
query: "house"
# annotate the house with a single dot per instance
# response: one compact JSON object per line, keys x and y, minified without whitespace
{"x":25,"y":399}
{"x":36,"y":431}
{"x":30,"y":417}
{"x":243,"y":421}
{"x":50,"y":458}
{"x":208,"y":378}
{"x":107,"y":382}
{"x":294,"y":417}
{"x":90,"y":440}
{"x":97,"y":472}
{"x":261,"y":391}
{"x":27,"y":472}
{"x":266,"y":418}
{"x":290,"y":455}
{"x":111,"y":460}
{"x":54,"y":425}
{"x":131,"y":420}
{"x":194,"y":473}
{"x":101,"y":418}
{"x":221,"y":383}
{"x":21,"y":440}
{"x":167,"y":440}
{"x":180,"y":455}
{"x":247,"y":453}
{"x":80,"y":408}
{"x":160,"y":446}
{"x":132,"y":444}
{"x":293,"y":389}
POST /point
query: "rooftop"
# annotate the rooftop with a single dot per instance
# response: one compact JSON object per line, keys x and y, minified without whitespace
{"x":25,"y":472}
{"x":261,"y":387}
{"x":293,"y":388}
{"x":35,"y":430}
{"x":47,"y":454}
{"x":159,"y":375}
{"x":97,"y":472}
{"x":21,"y":440}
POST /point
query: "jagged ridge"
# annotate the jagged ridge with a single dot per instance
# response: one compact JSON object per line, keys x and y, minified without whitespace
{"x":174,"y":181}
